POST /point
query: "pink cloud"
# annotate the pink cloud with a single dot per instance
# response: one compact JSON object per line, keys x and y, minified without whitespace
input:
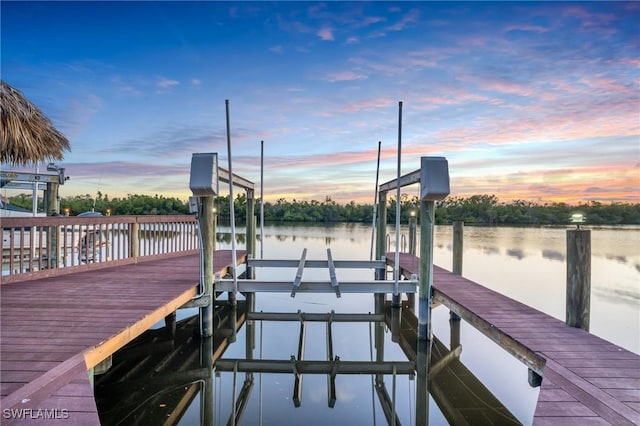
{"x":409,"y":18}
{"x":326,"y":34}
{"x":369,"y":104}
{"x":510,"y":88}
{"x":345,"y":76}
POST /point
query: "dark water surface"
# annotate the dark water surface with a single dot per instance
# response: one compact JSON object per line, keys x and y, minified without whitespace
{"x":165,"y":378}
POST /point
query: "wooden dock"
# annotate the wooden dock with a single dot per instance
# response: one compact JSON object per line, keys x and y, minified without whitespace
{"x":586,"y":380}
{"x":55,"y":329}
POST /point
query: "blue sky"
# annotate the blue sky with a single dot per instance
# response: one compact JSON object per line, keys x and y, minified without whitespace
{"x":533,"y":101}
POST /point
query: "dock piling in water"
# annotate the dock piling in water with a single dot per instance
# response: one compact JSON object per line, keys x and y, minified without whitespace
{"x":458,"y":244}
{"x":578,"y":278}
{"x":208,"y":234}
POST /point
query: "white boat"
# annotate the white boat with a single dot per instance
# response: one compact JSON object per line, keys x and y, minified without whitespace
{"x":9,"y":210}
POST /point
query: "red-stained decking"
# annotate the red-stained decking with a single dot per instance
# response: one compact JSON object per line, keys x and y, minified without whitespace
{"x":54,"y":329}
{"x":586,"y":380}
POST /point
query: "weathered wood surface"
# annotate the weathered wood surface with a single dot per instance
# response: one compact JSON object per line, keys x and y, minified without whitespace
{"x":586,"y":380}
{"x":52,"y":330}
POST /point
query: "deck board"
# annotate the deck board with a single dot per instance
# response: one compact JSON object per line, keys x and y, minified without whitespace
{"x":54,"y":329}
{"x":586,"y":380}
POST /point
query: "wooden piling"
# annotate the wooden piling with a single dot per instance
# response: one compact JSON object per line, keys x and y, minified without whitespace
{"x":425,"y":274}
{"x":381,"y":232}
{"x":208,"y":234}
{"x":458,"y":243}
{"x":458,"y":249}
{"x":251,"y":231}
{"x":578,"y":278}
{"x":53,"y":234}
{"x":413,"y":226}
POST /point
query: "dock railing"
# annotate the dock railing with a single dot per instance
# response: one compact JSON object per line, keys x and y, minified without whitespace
{"x":35,"y":247}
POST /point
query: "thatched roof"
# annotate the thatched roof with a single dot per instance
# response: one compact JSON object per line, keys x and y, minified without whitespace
{"x":27,"y":135}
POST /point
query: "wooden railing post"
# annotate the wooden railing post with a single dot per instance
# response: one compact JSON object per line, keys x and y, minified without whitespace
{"x":134,"y":235}
{"x":578,"y":278}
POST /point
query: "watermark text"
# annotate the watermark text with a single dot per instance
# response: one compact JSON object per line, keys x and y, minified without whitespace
{"x":35,"y":413}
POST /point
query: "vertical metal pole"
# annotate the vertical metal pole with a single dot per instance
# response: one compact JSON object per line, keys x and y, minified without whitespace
{"x":251,"y":230}
{"x":251,"y":326}
{"x":375,"y":201}
{"x":208,"y":234}
{"x":261,"y":199}
{"x":34,"y":199}
{"x":379,"y":306}
{"x":297,"y":385}
{"x":395,"y":301}
{"x":381,"y":274}
{"x":578,"y":278}
{"x":427,"y":211}
{"x":234,"y":257}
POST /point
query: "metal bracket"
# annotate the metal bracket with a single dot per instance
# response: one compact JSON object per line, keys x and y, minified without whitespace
{"x":334,"y":367}
{"x":332,"y":273}
{"x":200,"y":302}
{"x":298,"y":278}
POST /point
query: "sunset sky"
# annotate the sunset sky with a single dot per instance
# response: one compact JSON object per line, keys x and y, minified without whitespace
{"x":533,"y":101}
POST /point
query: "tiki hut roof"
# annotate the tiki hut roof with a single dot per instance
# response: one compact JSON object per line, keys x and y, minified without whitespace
{"x":27,"y":134}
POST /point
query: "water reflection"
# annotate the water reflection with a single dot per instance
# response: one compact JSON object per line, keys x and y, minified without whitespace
{"x":172,"y":376}
{"x":537,"y":280}
{"x":490,"y":250}
{"x":553,"y":255}
{"x":517,"y":253}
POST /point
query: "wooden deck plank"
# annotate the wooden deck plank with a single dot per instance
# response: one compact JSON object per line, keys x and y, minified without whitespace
{"x":586,"y":380}
{"x":53,"y":329}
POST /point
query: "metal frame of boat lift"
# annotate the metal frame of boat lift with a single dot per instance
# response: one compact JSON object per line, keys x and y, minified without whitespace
{"x":332,"y":285}
{"x":331,"y":367}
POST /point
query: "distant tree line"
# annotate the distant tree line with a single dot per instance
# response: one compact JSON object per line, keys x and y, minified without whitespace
{"x":130,"y":205}
{"x":476,"y":209}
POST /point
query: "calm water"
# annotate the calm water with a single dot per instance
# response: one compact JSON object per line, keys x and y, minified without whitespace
{"x":527,"y":264}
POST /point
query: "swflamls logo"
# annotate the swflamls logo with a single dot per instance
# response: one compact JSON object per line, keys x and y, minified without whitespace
{"x":35,"y":413}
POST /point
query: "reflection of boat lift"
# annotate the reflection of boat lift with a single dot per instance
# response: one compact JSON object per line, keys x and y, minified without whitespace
{"x":459,"y":394}
{"x":164,"y":370}
{"x":158,"y":376}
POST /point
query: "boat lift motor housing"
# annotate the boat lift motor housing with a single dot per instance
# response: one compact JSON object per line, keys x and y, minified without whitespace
{"x":203,"y":180}
{"x":434,"y":178}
